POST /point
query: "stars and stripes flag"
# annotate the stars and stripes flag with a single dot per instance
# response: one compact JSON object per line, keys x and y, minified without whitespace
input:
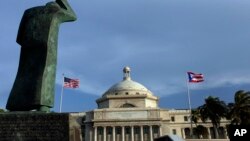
{"x":195,"y":77}
{"x":71,"y":83}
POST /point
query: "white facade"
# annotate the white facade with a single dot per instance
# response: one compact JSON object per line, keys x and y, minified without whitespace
{"x":128,"y":111}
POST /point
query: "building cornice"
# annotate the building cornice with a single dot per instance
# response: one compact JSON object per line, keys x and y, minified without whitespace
{"x":108,"y":97}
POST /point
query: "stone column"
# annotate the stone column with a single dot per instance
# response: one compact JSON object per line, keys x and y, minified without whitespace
{"x":209,"y":133}
{"x":183,"y":133}
{"x":141,"y":133}
{"x":90,"y":134}
{"x":113,"y":133}
{"x":123,"y":134}
{"x":95,"y":134}
{"x":160,"y":131}
{"x":225,"y":132}
{"x":87,"y":132}
{"x":132,"y":133}
{"x":151,"y":133}
{"x":104,"y":133}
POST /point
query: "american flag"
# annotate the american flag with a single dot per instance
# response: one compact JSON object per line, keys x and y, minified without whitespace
{"x":195,"y":77}
{"x":71,"y":83}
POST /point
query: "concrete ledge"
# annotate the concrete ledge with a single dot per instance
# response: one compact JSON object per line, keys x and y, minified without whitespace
{"x":36,"y":126}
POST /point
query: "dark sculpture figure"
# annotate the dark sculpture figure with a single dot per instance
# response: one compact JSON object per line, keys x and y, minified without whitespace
{"x":33,"y":88}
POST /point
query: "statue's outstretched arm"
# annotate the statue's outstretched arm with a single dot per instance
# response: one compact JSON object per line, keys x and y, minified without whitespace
{"x":70,"y":14}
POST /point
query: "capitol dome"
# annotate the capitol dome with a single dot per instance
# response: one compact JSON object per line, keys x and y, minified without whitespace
{"x":127,"y":94}
{"x":127,"y":86}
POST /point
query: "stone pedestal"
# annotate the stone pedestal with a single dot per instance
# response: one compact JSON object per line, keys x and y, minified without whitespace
{"x":36,"y":126}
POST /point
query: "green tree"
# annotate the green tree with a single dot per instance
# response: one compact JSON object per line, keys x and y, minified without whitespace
{"x":195,"y":117}
{"x":240,"y":109}
{"x":201,"y":131}
{"x":213,"y":109}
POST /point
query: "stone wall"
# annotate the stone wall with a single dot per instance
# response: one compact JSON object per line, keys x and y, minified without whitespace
{"x":39,"y":126}
{"x":30,"y":126}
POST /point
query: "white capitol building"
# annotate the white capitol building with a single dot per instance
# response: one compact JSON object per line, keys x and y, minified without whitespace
{"x":128,"y":111}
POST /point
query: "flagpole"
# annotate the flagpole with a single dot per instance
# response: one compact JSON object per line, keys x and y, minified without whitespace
{"x":190,"y":108}
{"x":62,"y":94}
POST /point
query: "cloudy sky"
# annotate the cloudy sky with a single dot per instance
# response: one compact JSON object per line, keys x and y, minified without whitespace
{"x":159,"y":39}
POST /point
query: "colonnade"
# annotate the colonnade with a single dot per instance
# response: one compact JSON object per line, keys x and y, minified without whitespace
{"x":207,"y":134}
{"x":127,"y":133}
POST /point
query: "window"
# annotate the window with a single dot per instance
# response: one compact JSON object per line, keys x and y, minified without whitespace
{"x":185,"y":118}
{"x":118,"y":130}
{"x":137,"y":130}
{"x":109,"y":130}
{"x":146,"y":130}
{"x":187,"y":133}
{"x":127,"y":130}
{"x":99,"y":130}
{"x":155,"y":129}
{"x":172,"y":118}
{"x":126,"y":93}
{"x":174,"y":131}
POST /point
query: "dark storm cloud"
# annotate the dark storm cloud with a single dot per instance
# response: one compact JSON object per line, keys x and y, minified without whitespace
{"x":159,"y":39}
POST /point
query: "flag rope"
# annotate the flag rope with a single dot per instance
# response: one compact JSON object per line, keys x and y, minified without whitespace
{"x":61,"y":99}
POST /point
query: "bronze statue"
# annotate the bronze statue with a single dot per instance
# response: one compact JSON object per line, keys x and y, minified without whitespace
{"x":33,"y":88}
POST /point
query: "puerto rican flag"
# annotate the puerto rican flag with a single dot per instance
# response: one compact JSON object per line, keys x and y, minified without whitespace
{"x":71,"y":83}
{"x":195,"y":77}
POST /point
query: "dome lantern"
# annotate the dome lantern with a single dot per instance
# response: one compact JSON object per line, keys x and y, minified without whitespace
{"x":126,"y":72}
